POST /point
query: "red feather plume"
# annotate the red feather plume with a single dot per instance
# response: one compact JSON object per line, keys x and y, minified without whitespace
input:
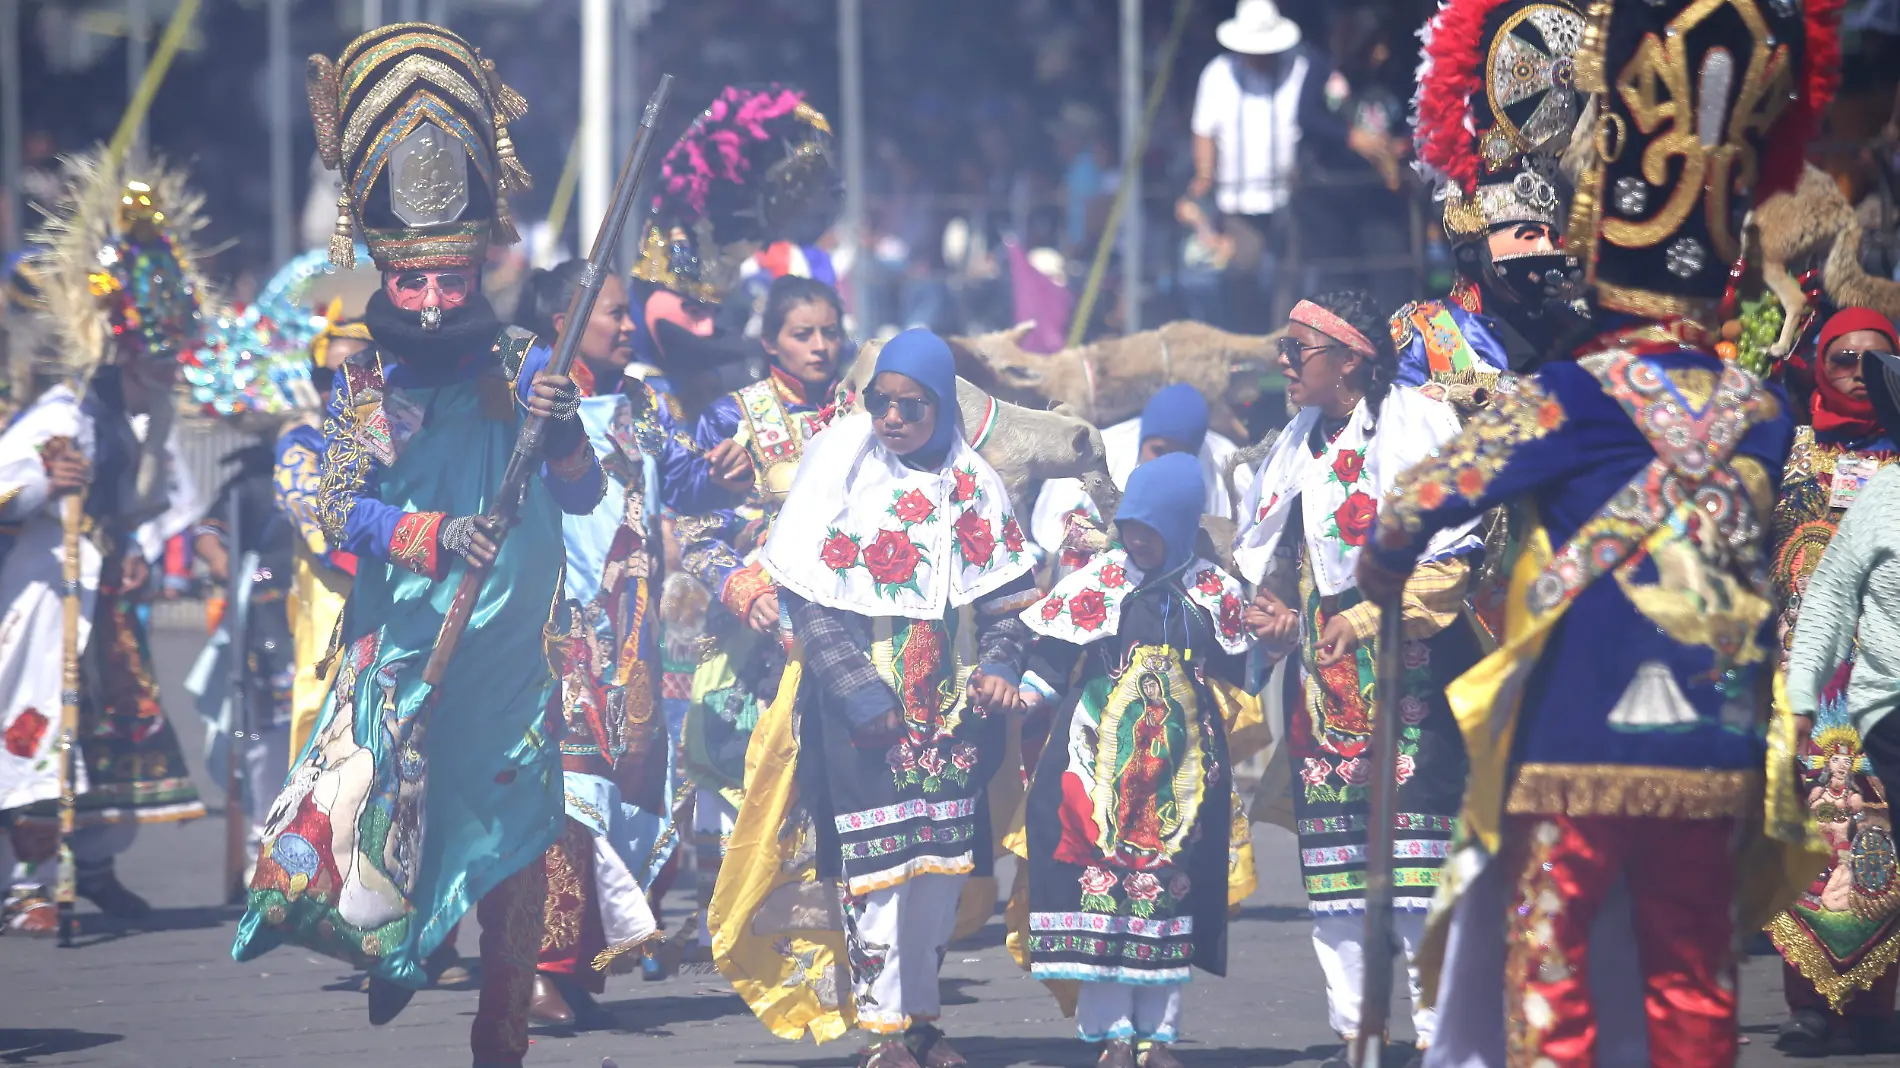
{"x":1455,"y":54}
{"x":1785,"y":150}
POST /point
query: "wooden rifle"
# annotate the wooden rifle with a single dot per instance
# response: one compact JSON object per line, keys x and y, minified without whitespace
{"x":527,"y":458}
{"x":1375,"y":1004}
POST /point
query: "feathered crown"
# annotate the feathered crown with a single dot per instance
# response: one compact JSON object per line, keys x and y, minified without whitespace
{"x":116,"y":266}
{"x":259,"y":359}
{"x":1703,"y":108}
{"x":405,"y":113}
{"x":1495,"y":106}
{"x":758,"y":163}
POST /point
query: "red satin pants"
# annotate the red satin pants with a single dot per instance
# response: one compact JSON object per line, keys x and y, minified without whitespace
{"x":1680,"y":878}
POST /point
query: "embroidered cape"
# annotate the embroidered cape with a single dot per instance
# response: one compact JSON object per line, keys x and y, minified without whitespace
{"x":1087,"y":606}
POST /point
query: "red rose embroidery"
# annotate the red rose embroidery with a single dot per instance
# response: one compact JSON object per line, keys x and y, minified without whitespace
{"x":892,"y":559}
{"x":913,"y":507}
{"x":966,"y":485}
{"x":1348,"y":464}
{"x":25,"y":732}
{"x":840,"y":552}
{"x":1208,"y":582}
{"x":1088,"y":610}
{"x":1229,"y":616}
{"x":1051,"y":607}
{"x":1355,"y":518}
{"x":1012,"y":535}
{"x":1113,"y":576}
{"x":974,"y":539}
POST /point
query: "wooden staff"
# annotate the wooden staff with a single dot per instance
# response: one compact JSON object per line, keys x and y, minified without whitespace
{"x":1375,"y":1004}
{"x":71,"y":514}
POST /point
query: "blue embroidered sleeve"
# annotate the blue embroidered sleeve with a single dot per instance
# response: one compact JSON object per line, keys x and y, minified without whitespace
{"x":1518,"y":443}
{"x":351,"y":517}
{"x":685,"y":473}
{"x":296,"y":481}
{"x":572,"y":473}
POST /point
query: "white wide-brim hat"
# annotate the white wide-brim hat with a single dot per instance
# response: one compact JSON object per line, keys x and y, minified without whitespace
{"x":1258,"y":29}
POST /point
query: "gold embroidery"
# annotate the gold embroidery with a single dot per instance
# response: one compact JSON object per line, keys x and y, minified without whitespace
{"x":1531,"y":952}
{"x":1797,"y":948}
{"x":1466,"y":464}
{"x":415,"y":67}
{"x":1578,"y":790}
{"x":565,"y":896}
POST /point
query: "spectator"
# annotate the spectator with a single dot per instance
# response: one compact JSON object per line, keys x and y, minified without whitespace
{"x":1252,"y":105}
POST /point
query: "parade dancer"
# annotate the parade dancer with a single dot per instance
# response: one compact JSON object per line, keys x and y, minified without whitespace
{"x":1128,"y":815}
{"x":615,"y":752}
{"x":902,"y":568}
{"x":1495,"y":108}
{"x":1840,"y":940}
{"x":388,"y":831}
{"x":762,"y":429}
{"x":120,"y":284}
{"x":1173,"y":420}
{"x":1645,"y":472}
{"x":1310,"y":514}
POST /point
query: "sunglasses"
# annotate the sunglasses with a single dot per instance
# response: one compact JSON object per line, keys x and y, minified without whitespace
{"x":909,"y":409}
{"x":1847,"y":358}
{"x":416,"y":283}
{"x":1295,"y":353}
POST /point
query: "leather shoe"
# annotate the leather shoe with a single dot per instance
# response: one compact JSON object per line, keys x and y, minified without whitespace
{"x":110,"y":895}
{"x":547,"y":1006}
{"x":386,"y":1000}
{"x":890,"y":1053}
{"x":931,"y":1048}
{"x":1158,"y":1055}
{"x":1117,"y":1054}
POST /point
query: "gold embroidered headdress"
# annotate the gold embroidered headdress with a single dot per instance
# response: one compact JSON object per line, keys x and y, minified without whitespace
{"x":417,"y":121}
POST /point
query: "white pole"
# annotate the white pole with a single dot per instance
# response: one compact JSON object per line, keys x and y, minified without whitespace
{"x":597,"y":139}
{"x":436,"y":13}
{"x":372,"y":14}
{"x":282,"y":211}
{"x":408,"y":10}
{"x":1131,"y":165}
{"x":138,"y":44}
{"x":12,"y":136}
{"x":851,"y":77}
{"x":627,"y":98}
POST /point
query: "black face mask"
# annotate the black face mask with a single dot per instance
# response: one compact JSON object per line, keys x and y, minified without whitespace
{"x":1541,"y":294}
{"x":469,"y":328}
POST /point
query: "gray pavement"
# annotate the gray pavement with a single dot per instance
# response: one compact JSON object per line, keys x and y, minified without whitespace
{"x":165,"y":994}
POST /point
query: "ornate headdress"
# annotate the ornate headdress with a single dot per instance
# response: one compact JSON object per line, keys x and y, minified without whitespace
{"x":1703,"y":108}
{"x":116,"y":268}
{"x":417,"y":121}
{"x":259,"y":359}
{"x":1495,"y":107}
{"x":755,"y":167}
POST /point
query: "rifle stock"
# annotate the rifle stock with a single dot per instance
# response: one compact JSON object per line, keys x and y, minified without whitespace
{"x":526,"y":458}
{"x":1375,"y":1005}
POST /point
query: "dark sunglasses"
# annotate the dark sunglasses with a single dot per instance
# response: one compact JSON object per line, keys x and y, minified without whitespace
{"x":909,"y":409}
{"x":1295,"y":353}
{"x":451,"y":285}
{"x":1849,"y":358}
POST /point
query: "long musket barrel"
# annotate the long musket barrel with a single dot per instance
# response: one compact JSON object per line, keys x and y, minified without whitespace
{"x":1375,"y":1004}
{"x":527,"y":455}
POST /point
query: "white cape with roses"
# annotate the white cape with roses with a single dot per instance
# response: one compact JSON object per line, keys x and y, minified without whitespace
{"x":1342,"y":487}
{"x":862,"y":532}
{"x":1087,"y":605}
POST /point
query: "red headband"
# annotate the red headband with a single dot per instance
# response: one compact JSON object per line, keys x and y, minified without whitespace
{"x":1848,"y":320}
{"x":1308,"y":314}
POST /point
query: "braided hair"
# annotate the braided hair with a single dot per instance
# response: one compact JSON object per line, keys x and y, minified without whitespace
{"x":1373,"y":377}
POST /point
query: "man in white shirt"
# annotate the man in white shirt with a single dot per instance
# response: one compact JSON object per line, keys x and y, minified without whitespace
{"x":1248,"y":120}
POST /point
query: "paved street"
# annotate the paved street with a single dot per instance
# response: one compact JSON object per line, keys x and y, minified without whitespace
{"x":166,"y":994}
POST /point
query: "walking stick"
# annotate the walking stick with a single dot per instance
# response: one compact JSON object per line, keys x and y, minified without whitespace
{"x":527,"y":455}
{"x":71,"y":513}
{"x":239,"y":567}
{"x":1375,"y":1004}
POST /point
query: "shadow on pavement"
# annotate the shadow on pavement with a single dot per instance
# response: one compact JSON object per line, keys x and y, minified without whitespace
{"x":24,"y":1045}
{"x":652,"y":1015}
{"x":96,"y":928}
{"x":1275,"y":913}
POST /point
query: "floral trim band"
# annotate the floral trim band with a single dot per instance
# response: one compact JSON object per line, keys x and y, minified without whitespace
{"x":414,"y":544}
